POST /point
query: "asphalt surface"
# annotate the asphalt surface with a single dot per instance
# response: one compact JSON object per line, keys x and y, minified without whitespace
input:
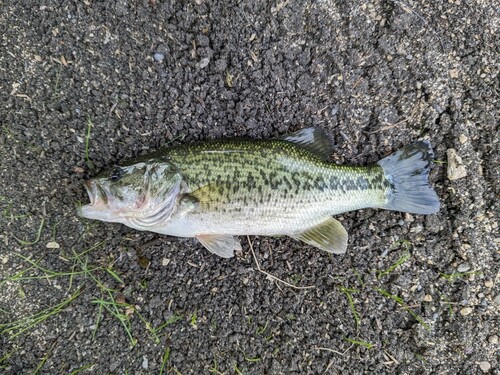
{"x":86,"y":84}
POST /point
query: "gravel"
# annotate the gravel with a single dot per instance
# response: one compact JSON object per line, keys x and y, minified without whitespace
{"x":85,"y":85}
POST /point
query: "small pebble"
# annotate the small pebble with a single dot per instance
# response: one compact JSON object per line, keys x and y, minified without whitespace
{"x":159,"y":56}
{"x":145,"y":363}
{"x":463,"y":138}
{"x":417,"y":229}
{"x":484,"y":366}
{"x":456,"y":170}
{"x":489,"y":284}
{"x":427,"y":298}
{"x":165,"y":262}
{"x":120,"y":298}
{"x":203,"y":63}
{"x":53,"y":245}
{"x":493,"y":340}
{"x":497,"y":300}
{"x":409,"y":218}
{"x":466,"y":311}
{"x":220,"y":65}
{"x":464,"y":267}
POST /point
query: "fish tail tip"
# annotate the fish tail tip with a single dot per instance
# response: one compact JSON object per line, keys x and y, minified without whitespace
{"x":408,"y":173}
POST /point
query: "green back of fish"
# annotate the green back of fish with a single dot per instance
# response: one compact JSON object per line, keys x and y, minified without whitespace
{"x":230,"y":174}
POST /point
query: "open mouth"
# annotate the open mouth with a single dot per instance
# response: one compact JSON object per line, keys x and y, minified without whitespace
{"x":99,"y":199}
{"x":98,"y":195}
{"x":91,"y":188}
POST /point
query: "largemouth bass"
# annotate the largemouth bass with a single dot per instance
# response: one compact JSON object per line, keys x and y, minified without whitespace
{"x":217,"y":190}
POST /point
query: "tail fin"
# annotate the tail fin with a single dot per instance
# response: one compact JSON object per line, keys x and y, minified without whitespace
{"x":407,"y":170}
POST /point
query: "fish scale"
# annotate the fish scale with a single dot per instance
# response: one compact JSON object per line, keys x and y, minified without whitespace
{"x":276,"y":171}
{"x":271,"y":186}
{"x":217,"y":190}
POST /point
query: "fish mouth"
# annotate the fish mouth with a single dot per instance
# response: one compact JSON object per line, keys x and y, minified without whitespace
{"x":98,"y":194}
{"x":91,"y":188}
{"x":99,"y":197}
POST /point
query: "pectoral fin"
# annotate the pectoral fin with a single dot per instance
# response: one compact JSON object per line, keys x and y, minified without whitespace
{"x":220,"y":244}
{"x":330,"y":236}
{"x":207,"y":196}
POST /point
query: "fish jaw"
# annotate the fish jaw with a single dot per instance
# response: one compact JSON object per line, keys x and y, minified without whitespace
{"x":102,"y":206}
{"x":99,"y":206}
{"x":92,"y":212}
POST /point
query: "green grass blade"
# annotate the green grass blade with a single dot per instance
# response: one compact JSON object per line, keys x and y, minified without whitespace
{"x":18,"y":327}
{"x":38,"y":235}
{"x":398,"y":263}
{"x":360,"y":343}
{"x":90,"y":125}
{"x":400,"y":301}
{"x":164,"y":360}
{"x":348,"y":293}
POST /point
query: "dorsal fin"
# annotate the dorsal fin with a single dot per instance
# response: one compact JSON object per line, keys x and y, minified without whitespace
{"x":314,"y":140}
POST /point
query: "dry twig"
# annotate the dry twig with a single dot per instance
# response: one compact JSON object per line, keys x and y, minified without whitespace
{"x":270,"y":275}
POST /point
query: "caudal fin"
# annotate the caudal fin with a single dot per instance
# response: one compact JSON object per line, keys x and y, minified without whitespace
{"x":408,"y":172}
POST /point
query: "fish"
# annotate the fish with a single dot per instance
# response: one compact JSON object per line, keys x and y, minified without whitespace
{"x":217,"y":190}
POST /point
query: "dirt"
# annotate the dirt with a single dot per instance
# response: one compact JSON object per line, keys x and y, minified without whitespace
{"x":86,"y":84}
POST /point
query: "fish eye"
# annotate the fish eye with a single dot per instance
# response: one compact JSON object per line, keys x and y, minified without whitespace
{"x":116,"y":174}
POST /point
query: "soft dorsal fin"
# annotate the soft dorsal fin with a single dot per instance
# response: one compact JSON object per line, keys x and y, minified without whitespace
{"x":329,"y":235}
{"x":314,"y":140}
{"x":222,"y":245}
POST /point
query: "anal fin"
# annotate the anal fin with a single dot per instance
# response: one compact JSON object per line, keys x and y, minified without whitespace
{"x":222,"y":245}
{"x":330,"y":236}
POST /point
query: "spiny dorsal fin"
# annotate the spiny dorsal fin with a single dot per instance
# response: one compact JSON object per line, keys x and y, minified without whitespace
{"x":222,"y":245}
{"x":330,"y":236}
{"x":314,"y":140}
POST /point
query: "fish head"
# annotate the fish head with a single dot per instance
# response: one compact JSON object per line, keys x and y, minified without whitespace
{"x":140,"y":195}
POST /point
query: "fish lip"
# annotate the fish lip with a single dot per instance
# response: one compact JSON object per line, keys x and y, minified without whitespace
{"x":98,"y":194}
{"x":91,"y":188}
{"x":88,"y":210}
{"x":99,"y":199}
